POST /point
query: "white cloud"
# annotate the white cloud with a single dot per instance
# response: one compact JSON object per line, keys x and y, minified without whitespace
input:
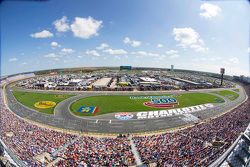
{"x":51,"y":55}
{"x":143,"y":53}
{"x":248,"y":50}
{"x":153,"y":54}
{"x":117,"y":57}
{"x":231,"y":62}
{"x":92,"y":53}
{"x":171,"y":52}
{"x":140,"y":53}
{"x":13,"y":59}
{"x":215,"y":67}
{"x":198,"y":48}
{"x":102,"y":46}
{"x":213,"y":59}
{"x":209,"y":10}
{"x":234,"y":60}
{"x":56,"y":59}
{"x":188,"y":37}
{"x":54,"y":44}
{"x":159,"y":45}
{"x":67,"y":50}
{"x":85,"y":27}
{"x":174,"y":56}
{"x":42,"y":34}
{"x":24,"y":63}
{"x":61,"y":25}
{"x":133,"y":43}
{"x":115,"y":51}
{"x":57,"y":56}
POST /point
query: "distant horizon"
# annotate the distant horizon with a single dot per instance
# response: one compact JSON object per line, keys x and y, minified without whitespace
{"x":118,"y":67}
{"x":191,"y":34}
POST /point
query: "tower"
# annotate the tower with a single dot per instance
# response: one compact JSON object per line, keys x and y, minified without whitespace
{"x":172,"y":68}
{"x":222,"y":72}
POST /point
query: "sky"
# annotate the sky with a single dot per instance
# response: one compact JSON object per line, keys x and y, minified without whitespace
{"x":190,"y":34}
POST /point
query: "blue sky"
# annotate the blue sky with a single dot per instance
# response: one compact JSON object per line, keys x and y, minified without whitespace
{"x":191,"y":34}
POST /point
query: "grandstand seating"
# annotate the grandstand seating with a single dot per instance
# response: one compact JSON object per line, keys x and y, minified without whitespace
{"x":194,"y":146}
{"x":238,"y":154}
{"x":199,"y":145}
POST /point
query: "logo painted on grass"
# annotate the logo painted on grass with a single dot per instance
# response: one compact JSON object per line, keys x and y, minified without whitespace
{"x":161,"y":103}
{"x":60,"y":96}
{"x":173,"y":112}
{"x":124,"y":116}
{"x":44,"y":104}
{"x":88,"y":109}
{"x":219,"y":100}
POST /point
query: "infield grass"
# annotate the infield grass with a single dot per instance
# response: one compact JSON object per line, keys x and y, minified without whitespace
{"x":236,"y":90}
{"x":119,"y":103}
{"x":228,"y":94}
{"x":30,"y":98}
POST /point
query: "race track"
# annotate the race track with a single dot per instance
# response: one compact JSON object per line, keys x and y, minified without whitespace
{"x":107,"y":123}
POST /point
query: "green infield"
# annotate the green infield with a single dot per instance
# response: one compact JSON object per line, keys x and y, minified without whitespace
{"x":228,"y":94}
{"x":123,"y":103}
{"x":236,"y":90}
{"x":42,"y":102}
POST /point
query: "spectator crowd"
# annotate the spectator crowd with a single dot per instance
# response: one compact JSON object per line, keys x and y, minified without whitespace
{"x":28,"y":141}
{"x":198,"y":145}
{"x":97,"y":151}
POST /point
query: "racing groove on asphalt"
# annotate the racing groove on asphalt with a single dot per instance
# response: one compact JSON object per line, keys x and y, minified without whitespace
{"x":63,"y":118}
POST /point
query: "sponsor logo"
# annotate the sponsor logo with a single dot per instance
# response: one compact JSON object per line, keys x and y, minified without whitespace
{"x":44,"y":104}
{"x":60,"y":96}
{"x":172,"y":112}
{"x":124,"y":116}
{"x":147,"y":97}
{"x":161,"y":103}
{"x":154,"y":97}
{"x":88,"y":109}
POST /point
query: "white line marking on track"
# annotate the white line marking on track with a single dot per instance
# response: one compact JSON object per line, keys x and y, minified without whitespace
{"x":116,"y":126}
{"x":117,"y":123}
{"x":96,"y":121}
{"x":110,"y":121}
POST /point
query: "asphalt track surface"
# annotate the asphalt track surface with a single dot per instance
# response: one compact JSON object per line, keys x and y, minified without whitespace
{"x":107,"y":123}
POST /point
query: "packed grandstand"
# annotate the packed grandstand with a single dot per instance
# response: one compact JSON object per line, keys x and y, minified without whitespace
{"x":222,"y":140}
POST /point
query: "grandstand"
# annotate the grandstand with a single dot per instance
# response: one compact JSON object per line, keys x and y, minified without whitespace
{"x":216,"y":142}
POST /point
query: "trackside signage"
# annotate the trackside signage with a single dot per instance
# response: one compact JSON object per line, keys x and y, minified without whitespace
{"x":172,"y":112}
